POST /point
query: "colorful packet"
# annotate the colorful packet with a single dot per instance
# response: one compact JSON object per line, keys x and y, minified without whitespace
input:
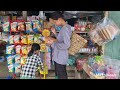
{"x":36,"y":38}
{"x":28,"y":27}
{"x":11,"y":39}
{"x":14,"y":26}
{"x":23,"y":60}
{"x":17,"y":58}
{"x":36,"y":26}
{"x":43,"y":47}
{"x":17,"y":39}
{"x":11,"y":68}
{"x":24,"y":50}
{"x":21,"y":26}
{"x":30,"y":39}
{"x":6,"y":27}
{"x":10,"y":59}
{"x":18,"y":49}
{"x":17,"y":68}
{"x":23,"y":39}
{"x":46,"y":33}
{"x":10,"y":49}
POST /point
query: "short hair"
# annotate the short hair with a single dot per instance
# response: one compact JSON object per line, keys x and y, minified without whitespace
{"x":56,"y":15}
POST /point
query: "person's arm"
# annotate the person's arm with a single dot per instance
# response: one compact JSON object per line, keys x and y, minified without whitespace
{"x":66,"y":41}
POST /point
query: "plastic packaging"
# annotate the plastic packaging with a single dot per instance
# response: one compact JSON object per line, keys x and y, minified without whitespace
{"x":28,"y":27}
{"x":17,"y":39}
{"x":23,"y":39}
{"x":6,"y":27}
{"x":10,"y":59}
{"x":24,"y":50}
{"x":11,"y":39}
{"x":10,"y":49}
{"x":21,"y":26}
{"x":18,"y":49}
{"x":13,"y":26}
{"x":17,"y":68}
{"x":30,"y":39}
{"x":11,"y":68}
{"x":17,"y":58}
{"x":36,"y":26}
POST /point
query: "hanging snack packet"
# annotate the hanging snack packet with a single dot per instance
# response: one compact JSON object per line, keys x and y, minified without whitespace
{"x":10,"y":49}
{"x":13,"y":26}
{"x":11,"y":68}
{"x":36,"y":26}
{"x":18,"y":49}
{"x":17,"y":39}
{"x":28,"y":48}
{"x":10,"y":59}
{"x":6,"y":27}
{"x":11,"y":39}
{"x":24,"y":50}
{"x":23,"y":39}
{"x":28,"y":27}
{"x":46,"y":33}
{"x":17,"y":58}
{"x":17,"y":68}
{"x":30,"y":39}
{"x":23,"y":60}
{"x":21,"y":26}
{"x":36,"y":38}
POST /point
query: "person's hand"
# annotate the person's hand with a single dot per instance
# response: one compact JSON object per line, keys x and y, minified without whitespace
{"x":53,"y":30}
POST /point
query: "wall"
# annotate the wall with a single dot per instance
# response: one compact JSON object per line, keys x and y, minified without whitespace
{"x":112,"y":48}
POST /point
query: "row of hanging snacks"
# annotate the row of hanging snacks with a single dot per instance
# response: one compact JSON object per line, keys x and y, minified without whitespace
{"x":24,"y":39}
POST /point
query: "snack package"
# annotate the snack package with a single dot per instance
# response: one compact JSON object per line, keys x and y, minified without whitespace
{"x":17,"y":58}
{"x":18,"y":49}
{"x":36,"y":38}
{"x":28,"y":48}
{"x":30,"y":39}
{"x":28,"y":27}
{"x":11,"y":39}
{"x":23,"y":60}
{"x":13,"y":26}
{"x":107,"y":30}
{"x":11,"y":68}
{"x":24,"y":50}
{"x":10,"y":49}
{"x":21,"y":26}
{"x":17,"y":68}
{"x":17,"y":39}
{"x":10,"y":59}
{"x":46,"y":33}
{"x":36,"y":26}
{"x":6,"y":27}
{"x":23,"y":39}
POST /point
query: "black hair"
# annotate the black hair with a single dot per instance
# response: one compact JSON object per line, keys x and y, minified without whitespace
{"x":56,"y":15}
{"x":34,"y":47}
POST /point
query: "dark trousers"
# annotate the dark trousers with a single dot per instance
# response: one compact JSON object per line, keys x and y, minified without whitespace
{"x":60,"y":71}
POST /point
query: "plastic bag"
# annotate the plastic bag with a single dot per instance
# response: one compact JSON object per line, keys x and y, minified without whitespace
{"x":18,"y":49}
{"x":17,"y":68}
{"x":11,"y":39}
{"x":23,"y":39}
{"x":36,"y":26}
{"x":28,"y":27}
{"x":11,"y":68}
{"x":17,"y":39}
{"x":21,"y":26}
{"x":10,"y":59}
{"x":10,"y":49}
{"x":23,"y":60}
{"x":17,"y":58}
{"x":24,"y":50}
{"x":104,"y":31}
{"x":30,"y":39}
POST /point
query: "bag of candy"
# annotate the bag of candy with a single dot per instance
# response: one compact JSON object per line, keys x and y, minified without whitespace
{"x":36,"y":38}
{"x":10,"y":49}
{"x":17,"y":58}
{"x":23,"y":39}
{"x":11,"y":39}
{"x":24,"y":50}
{"x":30,"y":39}
{"x":17,"y":39}
{"x":21,"y":26}
{"x":11,"y":68}
{"x":10,"y":59}
{"x":28,"y":27}
{"x":6,"y":27}
{"x":18,"y":49}
{"x":13,"y":26}
{"x":17,"y":68}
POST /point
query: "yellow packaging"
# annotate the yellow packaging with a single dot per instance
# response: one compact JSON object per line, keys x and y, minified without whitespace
{"x":24,"y":50}
{"x":23,"y":39}
{"x":30,"y":39}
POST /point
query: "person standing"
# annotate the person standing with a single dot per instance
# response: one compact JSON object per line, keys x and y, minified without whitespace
{"x":61,"y":45}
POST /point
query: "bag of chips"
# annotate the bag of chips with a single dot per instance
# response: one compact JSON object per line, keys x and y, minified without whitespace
{"x":36,"y":38}
{"x":24,"y":50}
{"x":10,"y":59}
{"x":36,"y":26}
{"x":17,"y":68}
{"x":17,"y":58}
{"x":11,"y":68}
{"x":17,"y":39}
{"x":28,"y":27}
{"x":11,"y":39}
{"x":6,"y":27}
{"x":13,"y":26}
{"x":23,"y":39}
{"x":21,"y":26}
{"x":10,"y":49}
{"x":23,"y":60}
{"x":18,"y":49}
{"x":30,"y":39}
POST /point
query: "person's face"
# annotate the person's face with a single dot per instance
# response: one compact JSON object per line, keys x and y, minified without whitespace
{"x":57,"y":22}
{"x":37,"y":51}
